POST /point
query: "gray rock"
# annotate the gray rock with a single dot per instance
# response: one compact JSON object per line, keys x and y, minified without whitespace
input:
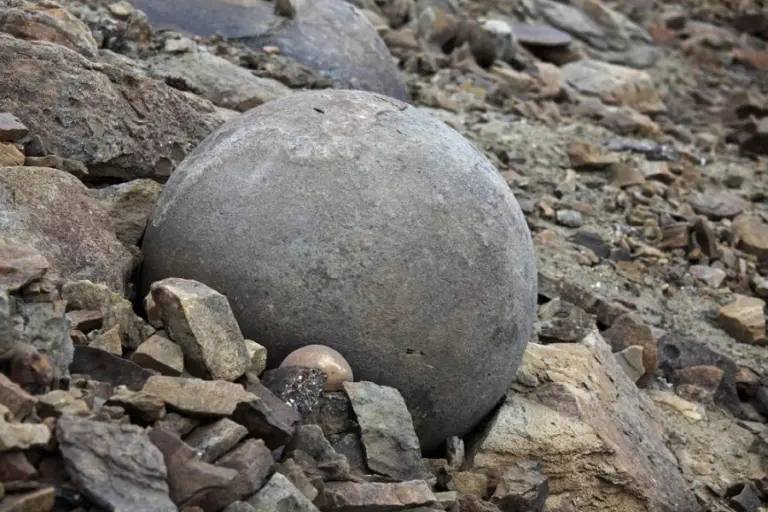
{"x":561,"y":321}
{"x":44,"y":326}
{"x":361,"y":497}
{"x":223,"y":83}
{"x":103,"y":366}
{"x":294,"y":473}
{"x":51,"y":211}
{"x":239,"y":506}
{"x":391,"y":445}
{"x":569,"y":218}
{"x":266,"y":417}
{"x":200,"y":320}
{"x":522,"y":488}
{"x":215,"y":439}
{"x":129,"y":205}
{"x":335,"y":241}
{"x":161,"y":355}
{"x":280,"y":494}
{"x":309,"y":440}
{"x":116,"y":466}
{"x":718,"y":205}
{"x":145,"y":127}
{"x":197,"y":397}
{"x":331,"y":37}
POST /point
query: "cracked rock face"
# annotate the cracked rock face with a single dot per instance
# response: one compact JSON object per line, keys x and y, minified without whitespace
{"x":330,"y":221}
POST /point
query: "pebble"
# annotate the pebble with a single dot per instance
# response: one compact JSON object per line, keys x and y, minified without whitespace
{"x":569,"y":218}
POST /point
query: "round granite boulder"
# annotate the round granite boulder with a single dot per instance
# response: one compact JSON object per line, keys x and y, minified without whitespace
{"x":353,"y":220}
{"x":331,"y":37}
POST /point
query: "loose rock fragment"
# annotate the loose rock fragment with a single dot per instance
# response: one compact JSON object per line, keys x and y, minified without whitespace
{"x":106,"y":367}
{"x":215,"y":439}
{"x":391,"y":445}
{"x":11,"y":128}
{"x":197,"y":397}
{"x":161,"y":355}
{"x":280,"y":494}
{"x":19,"y":402}
{"x":584,"y":155}
{"x":630,"y":330}
{"x":310,"y":441}
{"x":41,"y":500}
{"x":109,"y":341}
{"x":115,"y":466}
{"x":199,"y":319}
{"x":561,"y":321}
{"x":258,"y":356}
{"x":298,"y":386}
{"x":744,"y":319}
{"x":143,"y":408}
{"x":266,"y":417}
{"x":522,"y":487}
{"x":631,"y":360}
{"x":361,"y":497}
{"x":21,"y":436}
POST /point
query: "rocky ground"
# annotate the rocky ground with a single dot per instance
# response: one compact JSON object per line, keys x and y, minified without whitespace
{"x":633,"y":134}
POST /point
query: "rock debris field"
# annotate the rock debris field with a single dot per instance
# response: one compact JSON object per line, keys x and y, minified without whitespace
{"x":390,"y":255}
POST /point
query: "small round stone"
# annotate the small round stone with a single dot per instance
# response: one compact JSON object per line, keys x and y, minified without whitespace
{"x":323,"y":358}
{"x":353,"y":220}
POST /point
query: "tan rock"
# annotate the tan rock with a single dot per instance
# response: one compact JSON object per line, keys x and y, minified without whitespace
{"x":21,"y":436}
{"x":744,"y":319}
{"x":377,"y":496}
{"x":19,"y":402}
{"x":752,"y":233}
{"x":197,"y":397}
{"x":200,"y":320}
{"x":585,"y":155}
{"x":467,"y":482}
{"x":110,"y":341}
{"x":53,"y":24}
{"x":59,"y":402}
{"x":10,"y":155}
{"x":574,"y":410}
{"x":258,"y":355}
{"x":160,"y":354}
{"x":128,"y":206}
{"x":631,"y":361}
{"x":39,"y":500}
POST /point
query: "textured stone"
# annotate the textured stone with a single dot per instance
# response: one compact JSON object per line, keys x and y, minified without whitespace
{"x":109,"y":341}
{"x":522,"y":487}
{"x":718,"y":205}
{"x":40,"y":500}
{"x":333,"y":413}
{"x":298,"y":386}
{"x":19,"y":402}
{"x":253,"y":462}
{"x":362,"y":497}
{"x":49,"y":23}
{"x":10,"y":155}
{"x":51,"y":211}
{"x":189,"y":479}
{"x":752,"y":234}
{"x":280,"y":494}
{"x":128,"y":206}
{"x":266,"y":416}
{"x":744,"y":319}
{"x":200,"y":320}
{"x":561,"y":321}
{"x":11,"y":128}
{"x":328,"y":36}
{"x":320,"y":188}
{"x":106,"y":367}
{"x":197,"y":397}
{"x":161,"y":355}
{"x":258,"y":355}
{"x":21,"y":436}
{"x":573,"y":410}
{"x":391,"y":445}
{"x":309,"y":440}
{"x":116,"y":466}
{"x":215,"y":439}
{"x":143,"y":408}
{"x":629,"y":330}
{"x":146,"y":126}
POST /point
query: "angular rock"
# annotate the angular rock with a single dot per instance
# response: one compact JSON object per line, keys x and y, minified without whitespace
{"x":266,"y":417}
{"x":253,"y":462}
{"x":577,"y":413}
{"x":298,"y":386}
{"x":698,"y":383}
{"x":215,"y":439}
{"x":142,"y":407}
{"x":310,"y":441}
{"x":561,"y":321}
{"x":744,"y":319}
{"x":467,"y":482}
{"x":258,"y":355}
{"x":631,"y":361}
{"x":522,"y":487}
{"x":629,"y":330}
{"x":391,"y":445}
{"x":11,"y":128}
{"x":128,"y":206}
{"x":294,"y":473}
{"x":177,"y":424}
{"x":584,"y":155}
{"x":106,"y":367}
{"x":21,"y":436}
{"x":85,"y":320}
{"x":711,"y":276}
{"x":200,"y":320}
{"x":21,"y":264}
{"x":752,"y":235}
{"x":280,"y":494}
{"x":110,"y":341}
{"x":15,"y":399}
{"x":146,"y":127}
{"x":115,"y":309}
{"x":116,"y":466}
{"x":59,"y":402}
{"x":718,"y":205}
{"x":40,"y":500}
{"x":614,"y":85}
{"x":196,"y":397}
{"x":161,"y":355}
{"x":190,"y":480}
{"x":216,"y":79}
{"x":15,"y":466}
{"x":362,"y":497}
{"x":333,"y":413}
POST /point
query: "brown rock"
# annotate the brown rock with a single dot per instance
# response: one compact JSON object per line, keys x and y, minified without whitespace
{"x":190,"y":480}
{"x":200,"y":320}
{"x":146,"y":127}
{"x":585,"y":155}
{"x":20,"y":264}
{"x":15,"y":466}
{"x":19,"y":402}
{"x":522,"y":487}
{"x":629,"y":330}
{"x":177,"y":424}
{"x":51,"y":210}
{"x":10,"y":155}
{"x":253,"y":462}
{"x":753,"y":235}
{"x":40,"y":500}
{"x":142,"y":407}
{"x":744,"y":319}
{"x":197,"y":397}
{"x":161,"y":355}
{"x":106,"y":367}
{"x":52,"y":24}
{"x":698,"y":382}
{"x":59,"y":402}
{"x":363,"y":497}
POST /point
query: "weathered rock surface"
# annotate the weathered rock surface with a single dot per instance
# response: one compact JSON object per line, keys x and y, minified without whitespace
{"x":197,"y":397}
{"x":116,"y":466}
{"x":128,"y":206}
{"x":577,"y":413}
{"x":200,"y":320}
{"x":144,"y":127}
{"x":280,"y":494}
{"x":51,"y":211}
{"x":345,"y":123}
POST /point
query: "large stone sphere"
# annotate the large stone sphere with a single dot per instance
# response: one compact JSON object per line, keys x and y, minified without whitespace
{"x":353,"y":220}
{"x":331,"y":37}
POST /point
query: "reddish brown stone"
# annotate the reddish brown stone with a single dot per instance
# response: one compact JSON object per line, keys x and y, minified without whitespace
{"x":14,"y":466}
{"x":629,"y":330}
